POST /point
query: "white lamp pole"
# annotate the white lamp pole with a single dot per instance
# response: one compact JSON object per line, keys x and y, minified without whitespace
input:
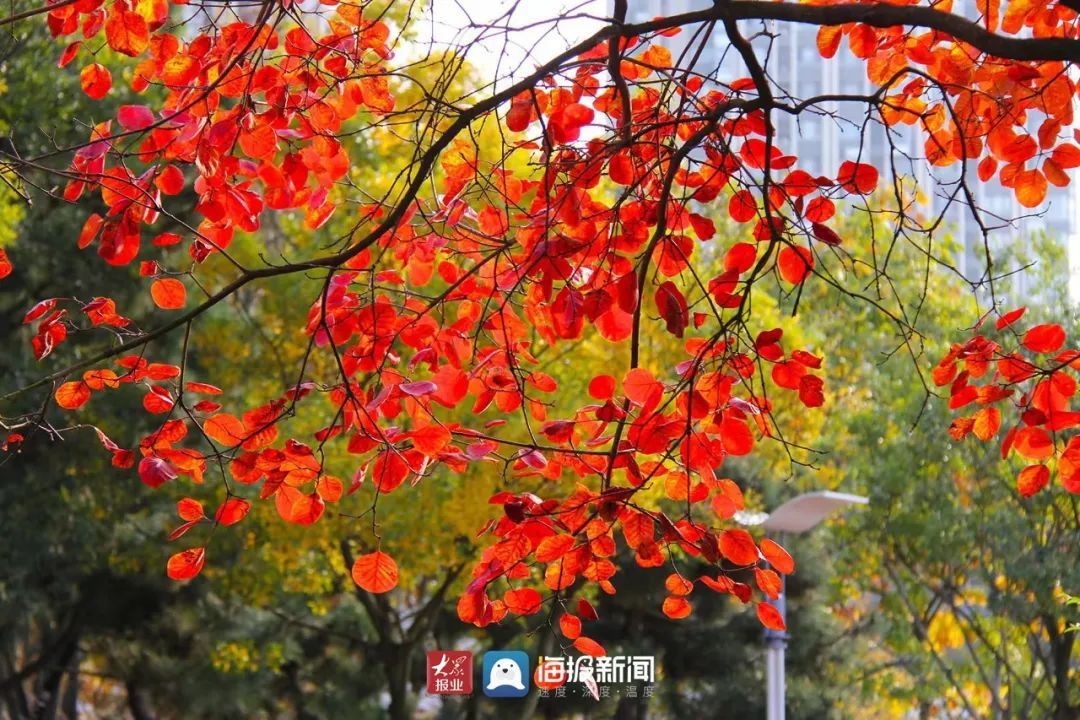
{"x":798,"y":515}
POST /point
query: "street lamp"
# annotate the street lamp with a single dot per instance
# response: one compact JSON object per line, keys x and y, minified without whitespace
{"x":798,"y":515}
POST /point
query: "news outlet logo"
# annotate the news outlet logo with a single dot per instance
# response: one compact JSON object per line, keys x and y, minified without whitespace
{"x":449,"y":672}
{"x":506,"y":674}
{"x":595,"y":674}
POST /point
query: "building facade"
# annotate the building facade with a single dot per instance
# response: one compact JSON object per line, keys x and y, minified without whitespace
{"x":843,"y":131}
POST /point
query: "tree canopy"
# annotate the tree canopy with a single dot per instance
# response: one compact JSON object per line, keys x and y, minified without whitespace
{"x":536,"y":310}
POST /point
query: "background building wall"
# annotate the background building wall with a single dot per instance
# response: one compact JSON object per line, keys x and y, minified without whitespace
{"x":842,"y":131}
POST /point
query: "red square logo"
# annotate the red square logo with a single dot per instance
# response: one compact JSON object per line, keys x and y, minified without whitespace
{"x":449,"y":672}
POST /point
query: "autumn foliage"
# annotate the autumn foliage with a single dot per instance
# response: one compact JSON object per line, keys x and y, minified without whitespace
{"x":595,"y":218}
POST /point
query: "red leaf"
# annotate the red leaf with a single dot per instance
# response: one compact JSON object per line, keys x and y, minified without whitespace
{"x":416,"y":389}
{"x":1033,"y":443}
{"x":375,"y":572}
{"x":742,"y":207}
{"x":5,"y":264}
{"x":857,"y":178}
{"x":135,"y":117}
{"x":740,"y":257}
{"x":570,"y":626}
{"x":1044,"y":338}
{"x":641,"y":387}
{"x":169,"y":181}
{"x":588,"y":646}
{"x":186,"y":564}
{"x":673,"y":309}
{"x":1010,"y":317}
{"x":795,"y":264}
{"x":155,"y":472}
{"x":69,"y":54}
{"x":825,"y":234}
{"x":389,"y":471}
{"x":602,"y":387}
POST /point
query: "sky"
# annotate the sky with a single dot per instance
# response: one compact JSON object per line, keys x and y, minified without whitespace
{"x":541,"y":29}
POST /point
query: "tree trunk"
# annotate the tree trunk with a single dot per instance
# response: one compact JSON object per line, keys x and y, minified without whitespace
{"x":396,"y":662}
{"x":71,"y":688}
{"x":136,"y":702}
{"x":1061,"y":650}
{"x":48,"y":700}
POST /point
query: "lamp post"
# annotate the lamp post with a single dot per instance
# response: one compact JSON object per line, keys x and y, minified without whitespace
{"x":798,"y":515}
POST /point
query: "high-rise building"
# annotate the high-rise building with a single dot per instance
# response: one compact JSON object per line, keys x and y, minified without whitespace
{"x":839,"y":131}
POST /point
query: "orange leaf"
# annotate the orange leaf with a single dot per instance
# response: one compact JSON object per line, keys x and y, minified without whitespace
{"x":770,"y":617}
{"x":190,"y":509}
{"x":987,"y":422}
{"x":588,"y":646}
{"x":375,"y":572}
{"x":297,"y":507}
{"x":72,"y":395}
{"x":232,"y":511}
{"x":638,"y":528}
{"x":828,"y":40}
{"x":168,"y":293}
{"x":523,"y":601}
{"x":769,"y":582}
{"x":96,"y":81}
{"x":1033,"y":443}
{"x":186,"y":564}
{"x":777,"y":556}
{"x":738,"y":546}
{"x":431,"y":440}
{"x":641,"y":387}
{"x":1030,"y":188}
{"x":676,"y":607}
{"x":127,"y":32}
{"x":1032,"y":479}
{"x":329,"y":488}
{"x":225,"y":429}
{"x":678,"y":585}
{"x":553,"y":548}
{"x":570,"y":626}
